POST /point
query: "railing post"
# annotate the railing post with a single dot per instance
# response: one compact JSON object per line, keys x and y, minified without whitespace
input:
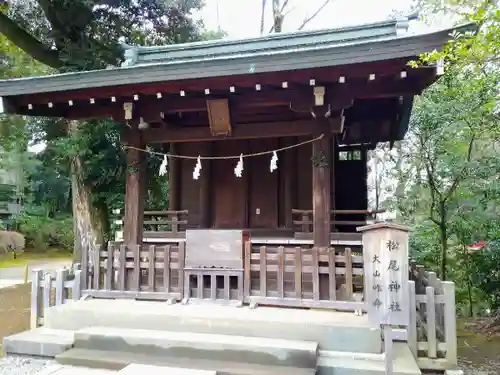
{"x":385,"y":258}
{"x":450,"y":323}
{"x":76,"y":289}
{"x":85,"y":269}
{"x":412,"y":328}
{"x":388,"y":349}
{"x":47,"y":292}
{"x":36,"y":298}
{"x":61,"y":277}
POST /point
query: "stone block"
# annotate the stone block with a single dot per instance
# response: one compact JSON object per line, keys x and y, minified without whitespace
{"x":259,"y":350}
{"x":134,"y":369}
{"x":42,"y":342}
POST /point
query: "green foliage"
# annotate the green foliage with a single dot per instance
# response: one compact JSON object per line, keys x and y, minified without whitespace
{"x":485,"y":273}
{"x":86,"y":33}
{"x":451,"y":174}
{"x":43,"y":232}
{"x":82,"y":35}
{"x":475,"y":49}
{"x":454,"y":178}
{"x":451,"y":158}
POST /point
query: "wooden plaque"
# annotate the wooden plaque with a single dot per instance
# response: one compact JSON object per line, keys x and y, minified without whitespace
{"x":214,"y":248}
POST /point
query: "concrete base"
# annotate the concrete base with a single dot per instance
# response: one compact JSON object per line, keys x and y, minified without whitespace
{"x":74,"y":370}
{"x":331,"y":363}
{"x":135,"y":369}
{"x":338,"y":331}
{"x":41,"y":342}
{"x":258,"y":350}
{"x":111,"y":334}
{"x":112,"y":360}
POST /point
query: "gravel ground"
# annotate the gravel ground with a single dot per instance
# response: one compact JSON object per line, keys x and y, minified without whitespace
{"x":14,"y":365}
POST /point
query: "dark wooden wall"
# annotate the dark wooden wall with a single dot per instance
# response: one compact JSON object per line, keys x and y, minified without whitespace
{"x":261,"y":199}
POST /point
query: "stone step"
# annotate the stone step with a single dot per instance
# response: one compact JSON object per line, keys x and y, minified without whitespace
{"x":42,"y":342}
{"x":134,"y":369}
{"x":265,"y":351}
{"x":338,"y":331}
{"x":58,"y":369}
{"x":338,"y":363}
{"x":113,"y":360}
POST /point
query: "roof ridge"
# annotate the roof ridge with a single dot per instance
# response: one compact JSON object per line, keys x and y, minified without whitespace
{"x":275,"y":36}
{"x":137,"y":55}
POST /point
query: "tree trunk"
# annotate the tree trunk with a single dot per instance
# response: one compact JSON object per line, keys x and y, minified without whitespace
{"x":467,"y":263}
{"x":89,"y":223}
{"x":444,"y":242}
{"x":469,"y":296}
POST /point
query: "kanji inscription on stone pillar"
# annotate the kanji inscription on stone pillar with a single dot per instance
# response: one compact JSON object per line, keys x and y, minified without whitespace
{"x":385,"y":258}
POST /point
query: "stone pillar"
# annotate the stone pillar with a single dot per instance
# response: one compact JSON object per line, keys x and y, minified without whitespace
{"x":321,"y":184}
{"x":385,"y":258}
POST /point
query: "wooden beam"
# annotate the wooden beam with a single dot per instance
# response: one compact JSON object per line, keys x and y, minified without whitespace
{"x":321,"y":184}
{"x":134,"y":191}
{"x":243,"y":131}
{"x":337,"y":96}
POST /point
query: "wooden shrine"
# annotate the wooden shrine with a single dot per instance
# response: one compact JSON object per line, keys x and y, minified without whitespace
{"x":321,"y":98}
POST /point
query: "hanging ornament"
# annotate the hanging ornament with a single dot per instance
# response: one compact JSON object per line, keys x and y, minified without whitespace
{"x":274,"y":162}
{"x":238,"y":170}
{"x":163,"y":166}
{"x":197,"y":169}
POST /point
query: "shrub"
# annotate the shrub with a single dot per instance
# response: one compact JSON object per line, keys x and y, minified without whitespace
{"x":44,"y":232}
{"x":11,"y":241}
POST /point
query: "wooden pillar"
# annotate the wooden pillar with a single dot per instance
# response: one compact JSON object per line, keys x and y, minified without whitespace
{"x":333,"y":158}
{"x":321,"y":184}
{"x":206,"y":176}
{"x":134,"y":190}
{"x":287,"y":169}
{"x":174,"y":177}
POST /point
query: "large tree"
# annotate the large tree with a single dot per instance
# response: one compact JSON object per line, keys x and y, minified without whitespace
{"x":71,"y":35}
{"x":85,"y":34}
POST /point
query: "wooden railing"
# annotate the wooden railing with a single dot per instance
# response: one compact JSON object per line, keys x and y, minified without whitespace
{"x":157,"y":224}
{"x":167,"y":223}
{"x":329,"y":278}
{"x":273,"y":275}
{"x":303,"y":222}
{"x":47,"y":291}
{"x":434,"y":341}
{"x":304,"y":277}
{"x":146,"y":272}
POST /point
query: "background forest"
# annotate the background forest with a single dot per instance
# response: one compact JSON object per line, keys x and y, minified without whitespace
{"x":443,"y":180}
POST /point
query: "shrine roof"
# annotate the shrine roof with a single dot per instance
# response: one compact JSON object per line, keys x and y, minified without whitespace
{"x":278,"y":52}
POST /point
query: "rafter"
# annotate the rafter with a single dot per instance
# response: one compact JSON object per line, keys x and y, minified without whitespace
{"x":301,"y":99}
